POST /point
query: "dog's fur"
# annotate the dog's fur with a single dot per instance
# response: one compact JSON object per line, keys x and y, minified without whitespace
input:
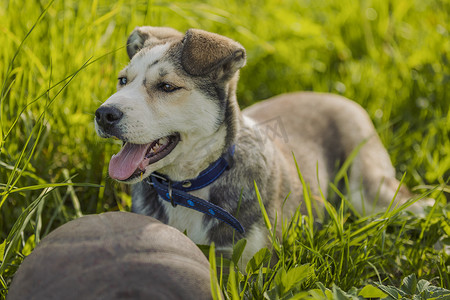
{"x":321,"y":130}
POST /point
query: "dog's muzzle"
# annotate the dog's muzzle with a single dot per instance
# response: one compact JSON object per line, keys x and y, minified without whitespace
{"x":133,"y":159}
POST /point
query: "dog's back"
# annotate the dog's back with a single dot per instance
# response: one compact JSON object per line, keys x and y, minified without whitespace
{"x":322,"y":131}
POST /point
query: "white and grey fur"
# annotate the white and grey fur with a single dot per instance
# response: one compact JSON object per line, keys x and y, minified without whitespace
{"x":321,"y":130}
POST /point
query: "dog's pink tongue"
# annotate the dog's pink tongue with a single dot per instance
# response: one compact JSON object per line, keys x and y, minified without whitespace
{"x":125,"y":163}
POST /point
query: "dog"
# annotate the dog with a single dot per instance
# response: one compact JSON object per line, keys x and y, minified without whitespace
{"x":194,"y":159}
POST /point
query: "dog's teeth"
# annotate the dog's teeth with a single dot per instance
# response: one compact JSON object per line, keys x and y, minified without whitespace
{"x":155,"y":148}
{"x":158,"y":145}
{"x":163,"y":141}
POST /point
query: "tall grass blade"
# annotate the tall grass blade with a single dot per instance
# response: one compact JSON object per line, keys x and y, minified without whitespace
{"x":308,"y":201}
{"x":263,"y":209}
{"x":215,"y":287}
{"x":14,"y":236}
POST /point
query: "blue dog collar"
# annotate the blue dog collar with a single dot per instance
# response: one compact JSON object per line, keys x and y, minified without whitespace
{"x":176,"y":192}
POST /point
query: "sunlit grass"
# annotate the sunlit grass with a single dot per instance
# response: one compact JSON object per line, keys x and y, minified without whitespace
{"x":60,"y":60}
{"x":346,"y":256}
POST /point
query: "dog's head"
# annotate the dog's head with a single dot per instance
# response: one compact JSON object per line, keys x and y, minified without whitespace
{"x":171,"y":98}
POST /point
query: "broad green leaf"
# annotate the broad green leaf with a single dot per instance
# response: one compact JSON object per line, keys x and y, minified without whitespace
{"x":422,"y":285}
{"x":339,"y":294}
{"x":271,"y":294}
{"x":319,"y":294}
{"x":393,"y":292}
{"x":434,"y":292}
{"x":301,"y":296}
{"x":260,"y":279}
{"x":238,"y":249}
{"x":232,"y":284}
{"x":296,"y":276}
{"x":285,"y":281}
{"x":409,"y":284}
{"x":279,"y":280}
{"x":260,"y":257}
{"x":29,"y":245}
{"x":370,"y":291}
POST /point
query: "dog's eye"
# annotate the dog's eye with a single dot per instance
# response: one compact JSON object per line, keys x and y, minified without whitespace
{"x":123,"y":80}
{"x":167,"y":87}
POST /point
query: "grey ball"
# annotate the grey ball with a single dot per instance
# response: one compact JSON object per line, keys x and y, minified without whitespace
{"x":114,"y":255}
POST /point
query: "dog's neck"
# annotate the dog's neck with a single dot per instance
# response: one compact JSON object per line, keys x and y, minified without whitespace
{"x":209,"y":149}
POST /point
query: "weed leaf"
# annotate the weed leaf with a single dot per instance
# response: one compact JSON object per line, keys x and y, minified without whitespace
{"x":232,"y":284}
{"x":392,"y":292}
{"x":339,"y":294}
{"x":370,"y":291}
{"x":261,"y":257}
{"x":238,"y":249}
{"x":409,"y":284}
{"x":422,"y":286}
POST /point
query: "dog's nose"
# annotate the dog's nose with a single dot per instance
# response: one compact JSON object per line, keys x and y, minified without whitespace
{"x":108,"y":116}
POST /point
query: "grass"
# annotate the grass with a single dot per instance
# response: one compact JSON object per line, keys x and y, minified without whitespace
{"x":61,"y":61}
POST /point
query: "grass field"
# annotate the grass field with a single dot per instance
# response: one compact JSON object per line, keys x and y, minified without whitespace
{"x":59,"y":60}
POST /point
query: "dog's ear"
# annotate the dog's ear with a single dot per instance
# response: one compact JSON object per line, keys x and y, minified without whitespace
{"x":204,"y":52}
{"x":148,"y":36}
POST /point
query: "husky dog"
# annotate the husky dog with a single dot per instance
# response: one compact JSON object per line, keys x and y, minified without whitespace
{"x":194,"y":158}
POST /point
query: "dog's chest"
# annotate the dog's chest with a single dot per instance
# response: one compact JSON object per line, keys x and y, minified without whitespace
{"x":190,"y":221}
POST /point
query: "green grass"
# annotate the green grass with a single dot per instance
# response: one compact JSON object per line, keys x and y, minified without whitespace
{"x":60,"y":60}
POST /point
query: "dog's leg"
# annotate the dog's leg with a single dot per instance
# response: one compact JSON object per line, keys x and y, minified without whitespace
{"x":372,"y":177}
